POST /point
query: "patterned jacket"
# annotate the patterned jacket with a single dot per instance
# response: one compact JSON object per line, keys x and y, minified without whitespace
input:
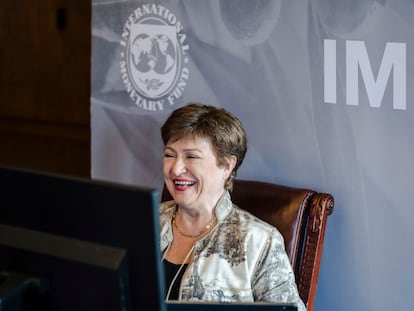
{"x":243,"y":259}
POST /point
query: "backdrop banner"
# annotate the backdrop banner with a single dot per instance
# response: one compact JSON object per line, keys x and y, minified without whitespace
{"x":324,"y":89}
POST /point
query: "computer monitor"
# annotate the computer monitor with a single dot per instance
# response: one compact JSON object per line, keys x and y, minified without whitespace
{"x":69,"y":243}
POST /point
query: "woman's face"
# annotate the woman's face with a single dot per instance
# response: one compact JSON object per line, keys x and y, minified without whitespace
{"x":191,"y":173}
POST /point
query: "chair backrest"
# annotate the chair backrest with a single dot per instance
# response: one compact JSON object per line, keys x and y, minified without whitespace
{"x":300,"y":215}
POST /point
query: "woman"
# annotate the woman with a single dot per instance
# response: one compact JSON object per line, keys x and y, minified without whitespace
{"x":213,"y":250}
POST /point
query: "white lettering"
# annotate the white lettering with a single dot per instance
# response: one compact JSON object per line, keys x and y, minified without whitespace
{"x":357,"y":61}
{"x":329,"y":74}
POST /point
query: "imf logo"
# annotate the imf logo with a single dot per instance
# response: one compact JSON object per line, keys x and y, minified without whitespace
{"x":153,"y":57}
{"x":357,"y":63}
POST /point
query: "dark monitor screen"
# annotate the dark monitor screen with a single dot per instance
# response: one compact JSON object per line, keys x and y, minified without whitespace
{"x":77,"y":244}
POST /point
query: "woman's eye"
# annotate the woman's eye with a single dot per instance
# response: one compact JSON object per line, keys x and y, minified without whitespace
{"x":168,"y":155}
{"x":192,"y":157}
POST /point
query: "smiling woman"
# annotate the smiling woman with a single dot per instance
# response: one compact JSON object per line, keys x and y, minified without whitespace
{"x":212,"y":249}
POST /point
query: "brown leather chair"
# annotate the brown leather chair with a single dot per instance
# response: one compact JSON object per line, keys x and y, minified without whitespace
{"x":300,"y":215}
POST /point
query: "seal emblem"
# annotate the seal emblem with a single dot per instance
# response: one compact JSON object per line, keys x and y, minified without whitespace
{"x":153,"y":57}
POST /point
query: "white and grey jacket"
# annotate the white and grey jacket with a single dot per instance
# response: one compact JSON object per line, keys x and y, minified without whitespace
{"x":243,"y":259}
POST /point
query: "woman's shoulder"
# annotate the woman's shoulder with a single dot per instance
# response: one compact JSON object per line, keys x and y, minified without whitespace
{"x":252,"y":222}
{"x":255,"y":232}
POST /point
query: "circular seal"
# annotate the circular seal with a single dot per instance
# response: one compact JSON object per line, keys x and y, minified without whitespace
{"x":153,"y":57}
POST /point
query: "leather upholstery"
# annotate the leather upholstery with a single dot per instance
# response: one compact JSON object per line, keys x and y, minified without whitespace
{"x":300,"y":215}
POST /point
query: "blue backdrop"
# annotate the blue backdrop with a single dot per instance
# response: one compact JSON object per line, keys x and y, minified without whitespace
{"x":324,"y":88}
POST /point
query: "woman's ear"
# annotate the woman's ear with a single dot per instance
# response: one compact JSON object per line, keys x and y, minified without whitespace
{"x":230,"y":164}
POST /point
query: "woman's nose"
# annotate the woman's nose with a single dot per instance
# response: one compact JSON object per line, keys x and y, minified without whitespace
{"x":178,"y":167}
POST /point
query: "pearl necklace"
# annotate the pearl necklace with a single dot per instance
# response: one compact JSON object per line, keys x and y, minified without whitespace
{"x":194,"y":235}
